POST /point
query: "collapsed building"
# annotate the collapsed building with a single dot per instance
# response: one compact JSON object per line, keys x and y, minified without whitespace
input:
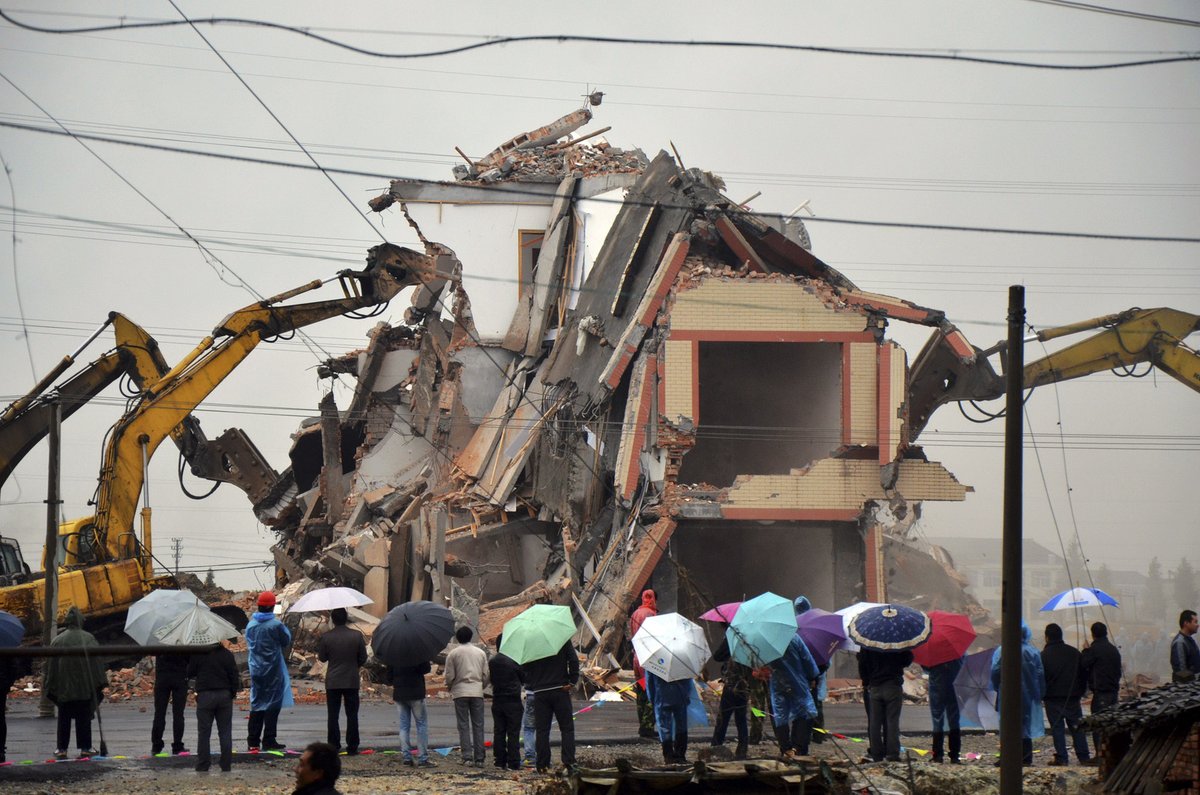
{"x":614,"y":377}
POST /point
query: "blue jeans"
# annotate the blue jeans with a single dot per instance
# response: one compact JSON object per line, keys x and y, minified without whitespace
{"x":1064,"y":716}
{"x":408,"y":710}
{"x":529,"y":730}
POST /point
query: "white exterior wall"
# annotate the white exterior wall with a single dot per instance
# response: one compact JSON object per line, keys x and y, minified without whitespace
{"x":487,"y":241}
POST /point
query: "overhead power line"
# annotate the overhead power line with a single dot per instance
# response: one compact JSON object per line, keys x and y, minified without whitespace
{"x":522,"y":192}
{"x":565,"y":38}
{"x":1120,"y":12}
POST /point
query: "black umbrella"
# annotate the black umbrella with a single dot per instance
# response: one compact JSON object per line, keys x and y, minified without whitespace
{"x":412,"y":633}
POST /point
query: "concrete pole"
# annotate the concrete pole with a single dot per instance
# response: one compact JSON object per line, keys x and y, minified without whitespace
{"x":53,"y":501}
{"x":1010,"y":554}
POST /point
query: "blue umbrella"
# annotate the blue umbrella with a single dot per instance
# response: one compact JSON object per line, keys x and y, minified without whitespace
{"x":890,"y":628}
{"x":11,"y":630}
{"x":761,"y":630}
{"x":1079,"y":597}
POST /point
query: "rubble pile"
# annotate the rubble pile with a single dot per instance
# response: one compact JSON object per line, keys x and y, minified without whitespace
{"x":547,"y":464}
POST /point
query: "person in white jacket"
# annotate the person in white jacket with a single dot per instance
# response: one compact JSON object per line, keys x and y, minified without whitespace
{"x":466,"y":677}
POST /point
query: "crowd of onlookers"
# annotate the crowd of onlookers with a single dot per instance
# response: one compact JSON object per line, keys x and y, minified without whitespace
{"x":528,"y":698}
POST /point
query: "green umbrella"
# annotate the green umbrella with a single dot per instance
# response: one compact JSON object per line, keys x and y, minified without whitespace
{"x":540,"y":631}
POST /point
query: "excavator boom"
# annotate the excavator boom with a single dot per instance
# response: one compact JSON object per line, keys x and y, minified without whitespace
{"x":950,"y":369}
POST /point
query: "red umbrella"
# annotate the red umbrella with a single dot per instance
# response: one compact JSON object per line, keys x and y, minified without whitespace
{"x":951,"y":636}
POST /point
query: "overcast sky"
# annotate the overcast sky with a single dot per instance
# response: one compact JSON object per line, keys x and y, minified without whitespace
{"x":870,"y":138}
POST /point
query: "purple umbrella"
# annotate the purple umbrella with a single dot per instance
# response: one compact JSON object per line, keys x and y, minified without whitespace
{"x":973,"y":689}
{"x":822,"y":632}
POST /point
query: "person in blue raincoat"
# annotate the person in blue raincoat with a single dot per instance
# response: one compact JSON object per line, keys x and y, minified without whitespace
{"x":1033,"y":687}
{"x":792,"y":707}
{"x":821,"y":691}
{"x":267,"y":640}
{"x":670,"y":702}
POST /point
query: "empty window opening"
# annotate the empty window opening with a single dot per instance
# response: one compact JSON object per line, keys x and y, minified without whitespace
{"x":765,"y":408}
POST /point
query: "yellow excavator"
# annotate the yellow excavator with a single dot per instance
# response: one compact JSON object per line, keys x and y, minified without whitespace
{"x":104,"y":564}
{"x":950,"y":369}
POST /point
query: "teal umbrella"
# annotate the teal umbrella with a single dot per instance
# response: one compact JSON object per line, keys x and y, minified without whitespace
{"x":761,"y":630}
{"x":540,"y":631}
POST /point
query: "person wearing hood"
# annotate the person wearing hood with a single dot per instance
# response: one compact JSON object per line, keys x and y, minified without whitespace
{"x":1033,"y":690}
{"x":75,"y":685}
{"x":645,"y":710}
{"x":267,"y":641}
{"x":792,"y":707}
{"x":801,"y":605}
{"x":670,"y":700}
{"x":735,"y":698}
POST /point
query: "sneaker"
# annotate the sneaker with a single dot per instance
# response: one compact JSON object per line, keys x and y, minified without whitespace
{"x":176,"y":751}
{"x":1057,"y":762}
{"x":274,"y":747}
{"x":253,"y":748}
{"x":87,"y":753}
{"x":60,"y":754}
{"x":427,"y":763}
{"x":408,"y":761}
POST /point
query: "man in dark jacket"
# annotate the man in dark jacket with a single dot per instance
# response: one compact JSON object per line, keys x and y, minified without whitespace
{"x":317,"y":770}
{"x":408,"y":691}
{"x":735,"y":695}
{"x":551,"y":679}
{"x":170,"y":685}
{"x":1101,"y":663}
{"x":1185,"y":654}
{"x":883,"y":674}
{"x":507,"y":710}
{"x":1065,"y":686}
{"x":345,"y":651}
{"x":217,"y":683}
{"x":11,"y":669}
{"x":75,"y":685}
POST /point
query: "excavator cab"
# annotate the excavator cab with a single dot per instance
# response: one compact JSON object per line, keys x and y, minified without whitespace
{"x":13,"y":568}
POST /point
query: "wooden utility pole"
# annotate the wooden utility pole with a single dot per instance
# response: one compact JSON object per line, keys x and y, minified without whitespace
{"x":53,"y":501}
{"x":1010,"y":551}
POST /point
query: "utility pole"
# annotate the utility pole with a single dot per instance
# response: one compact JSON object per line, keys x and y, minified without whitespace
{"x":177,"y":548}
{"x":1011,"y":743}
{"x":53,"y":501}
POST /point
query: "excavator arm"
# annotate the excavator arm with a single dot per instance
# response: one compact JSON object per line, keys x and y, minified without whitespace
{"x":166,"y":402}
{"x":950,"y":369}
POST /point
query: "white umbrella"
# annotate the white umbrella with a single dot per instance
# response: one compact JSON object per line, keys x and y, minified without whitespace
{"x":848,"y":613}
{"x":330,"y":599}
{"x":155,"y":610}
{"x":671,"y":647}
{"x":196,"y":627}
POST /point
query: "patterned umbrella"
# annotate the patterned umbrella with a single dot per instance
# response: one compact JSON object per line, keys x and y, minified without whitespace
{"x":1079,"y":597}
{"x":890,"y":628}
{"x":847,"y":613}
{"x":821,"y":632}
{"x":761,"y":630}
{"x":951,"y":636}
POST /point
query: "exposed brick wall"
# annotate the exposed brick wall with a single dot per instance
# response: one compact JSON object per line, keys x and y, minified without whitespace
{"x":678,"y":373}
{"x":730,"y":305}
{"x":1187,"y":763}
{"x":861,"y":377}
{"x":843,"y":484}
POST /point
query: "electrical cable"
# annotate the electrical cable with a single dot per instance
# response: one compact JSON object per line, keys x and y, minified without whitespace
{"x":12,"y":191}
{"x":1120,"y":12}
{"x":564,"y":38}
{"x":509,"y":191}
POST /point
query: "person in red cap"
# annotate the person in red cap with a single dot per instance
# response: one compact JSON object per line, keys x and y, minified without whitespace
{"x":645,"y":709}
{"x":267,"y":640}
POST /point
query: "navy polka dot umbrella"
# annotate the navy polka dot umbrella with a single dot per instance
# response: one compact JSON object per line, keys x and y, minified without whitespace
{"x":890,"y":628}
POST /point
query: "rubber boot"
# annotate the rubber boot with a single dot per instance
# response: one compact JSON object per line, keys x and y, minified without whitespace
{"x":681,"y":744}
{"x":668,"y":749}
{"x":939,"y":739}
{"x":955,"y":745}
